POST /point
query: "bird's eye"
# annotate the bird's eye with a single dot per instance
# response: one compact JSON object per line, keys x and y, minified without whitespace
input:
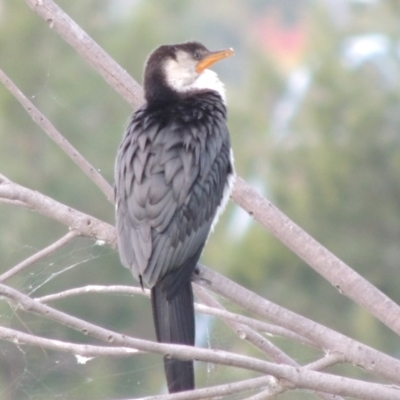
{"x":198,"y":55}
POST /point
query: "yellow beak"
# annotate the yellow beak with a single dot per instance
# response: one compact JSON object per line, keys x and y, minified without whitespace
{"x":212,"y":58}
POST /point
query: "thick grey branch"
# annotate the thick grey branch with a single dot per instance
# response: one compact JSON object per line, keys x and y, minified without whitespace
{"x":75,"y":220}
{"x":346,"y":280}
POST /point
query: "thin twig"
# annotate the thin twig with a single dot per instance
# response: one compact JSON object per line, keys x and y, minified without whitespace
{"x":134,"y":290}
{"x":39,"y":255}
{"x":256,"y":324}
{"x":56,"y":136}
{"x":325,"y":362}
{"x":84,"y":350}
{"x":117,"y":289}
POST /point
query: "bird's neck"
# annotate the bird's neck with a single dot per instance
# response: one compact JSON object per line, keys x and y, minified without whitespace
{"x":174,"y":90}
{"x":209,"y":80}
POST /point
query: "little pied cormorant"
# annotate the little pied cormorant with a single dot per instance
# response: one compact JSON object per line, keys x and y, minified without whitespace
{"x":174,"y":173}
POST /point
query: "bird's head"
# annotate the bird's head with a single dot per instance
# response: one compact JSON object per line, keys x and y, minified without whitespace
{"x":175,"y":70}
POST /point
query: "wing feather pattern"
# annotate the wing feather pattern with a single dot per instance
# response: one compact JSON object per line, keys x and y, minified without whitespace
{"x":170,"y":179}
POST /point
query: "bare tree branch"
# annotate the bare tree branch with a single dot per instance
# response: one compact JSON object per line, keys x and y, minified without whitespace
{"x":280,"y":386}
{"x":39,"y":255}
{"x":300,"y":377}
{"x":85,"y":350}
{"x":75,"y":220}
{"x":257,"y":340}
{"x":329,"y":340}
{"x":117,"y":289}
{"x":346,"y":280}
{"x":245,"y":332}
{"x":325,"y":362}
{"x":258,"y":325}
{"x":134,"y":290}
{"x":59,"y":139}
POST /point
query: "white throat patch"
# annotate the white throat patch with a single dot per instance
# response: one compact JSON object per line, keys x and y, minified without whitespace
{"x":181,"y":76}
{"x":209,"y":80}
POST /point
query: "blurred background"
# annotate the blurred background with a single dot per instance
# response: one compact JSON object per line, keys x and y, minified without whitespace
{"x":314,"y":115}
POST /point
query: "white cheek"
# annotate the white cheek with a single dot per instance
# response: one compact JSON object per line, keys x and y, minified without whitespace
{"x":179,"y":77}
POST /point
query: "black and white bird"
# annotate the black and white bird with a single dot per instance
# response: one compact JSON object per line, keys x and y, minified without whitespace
{"x":174,"y":173}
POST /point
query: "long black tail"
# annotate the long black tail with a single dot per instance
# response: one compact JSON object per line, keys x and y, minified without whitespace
{"x":173,"y":313}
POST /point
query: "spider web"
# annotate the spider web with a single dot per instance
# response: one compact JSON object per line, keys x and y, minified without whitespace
{"x":39,"y":373}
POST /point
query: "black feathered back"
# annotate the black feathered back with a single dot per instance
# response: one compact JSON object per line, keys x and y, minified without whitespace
{"x":171,"y":171}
